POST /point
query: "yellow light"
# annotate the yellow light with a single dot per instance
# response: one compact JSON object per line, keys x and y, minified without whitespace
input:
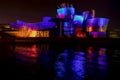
{"x":46,"y":34}
{"x":43,"y":33}
{"x":6,"y":26}
{"x":33,"y":34}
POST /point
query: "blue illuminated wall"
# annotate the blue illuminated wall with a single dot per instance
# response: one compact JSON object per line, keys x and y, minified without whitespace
{"x":86,"y":22}
{"x":78,"y":19}
{"x":61,"y":12}
{"x":65,"y":12}
{"x":45,"y":24}
{"x":68,"y":29}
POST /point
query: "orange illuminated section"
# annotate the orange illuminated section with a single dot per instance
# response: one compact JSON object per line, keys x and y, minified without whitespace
{"x":42,"y":33}
{"x":24,"y":31}
{"x":101,"y":29}
{"x":33,"y":34}
{"x":89,"y":28}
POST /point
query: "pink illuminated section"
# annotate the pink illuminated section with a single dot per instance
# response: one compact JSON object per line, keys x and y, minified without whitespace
{"x":60,"y":16}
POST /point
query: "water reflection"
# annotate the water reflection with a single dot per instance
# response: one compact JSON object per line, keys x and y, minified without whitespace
{"x":26,"y":54}
{"x":90,"y":64}
{"x":78,"y":63}
{"x":96,"y":63}
{"x":27,"y":51}
{"x":67,"y":63}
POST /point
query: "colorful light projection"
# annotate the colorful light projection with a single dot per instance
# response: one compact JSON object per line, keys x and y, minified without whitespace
{"x":28,"y":32}
{"x":103,"y":23}
{"x":97,"y":24}
{"x":61,"y":13}
{"x":68,"y":29}
{"x":43,"y":34}
{"x":65,"y":12}
{"x":78,"y":19}
{"x":88,"y":14}
{"x":14,"y":26}
{"x":72,"y":24}
{"x":91,"y":25}
{"x":78,"y":24}
{"x":85,"y":14}
{"x":23,"y":31}
{"x":80,"y":33}
{"x":45,"y":24}
{"x":39,"y":29}
{"x":28,"y":25}
{"x":97,"y":34}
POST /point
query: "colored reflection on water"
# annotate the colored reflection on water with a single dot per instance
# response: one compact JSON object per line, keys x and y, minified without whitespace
{"x":61,"y":62}
{"x":90,"y":64}
{"x":97,"y":63}
{"x":31,"y":54}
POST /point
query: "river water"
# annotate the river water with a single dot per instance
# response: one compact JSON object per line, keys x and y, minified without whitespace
{"x":59,"y":61}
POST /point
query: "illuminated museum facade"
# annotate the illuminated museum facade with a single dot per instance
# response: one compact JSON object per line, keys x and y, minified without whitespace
{"x":66,"y":24}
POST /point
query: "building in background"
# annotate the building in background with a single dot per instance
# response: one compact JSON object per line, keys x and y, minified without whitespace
{"x":66,"y":23}
{"x":114,"y":33}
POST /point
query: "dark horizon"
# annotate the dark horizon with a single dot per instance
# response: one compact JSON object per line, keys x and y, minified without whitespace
{"x":34,"y":10}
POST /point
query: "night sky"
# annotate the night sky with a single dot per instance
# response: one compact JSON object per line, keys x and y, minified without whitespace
{"x":34,"y":10}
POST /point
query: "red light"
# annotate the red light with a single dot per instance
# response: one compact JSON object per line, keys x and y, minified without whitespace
{"x":80,"y":33}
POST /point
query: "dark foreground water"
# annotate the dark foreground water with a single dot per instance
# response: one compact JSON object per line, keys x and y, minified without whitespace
{"x":59,"y":61}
